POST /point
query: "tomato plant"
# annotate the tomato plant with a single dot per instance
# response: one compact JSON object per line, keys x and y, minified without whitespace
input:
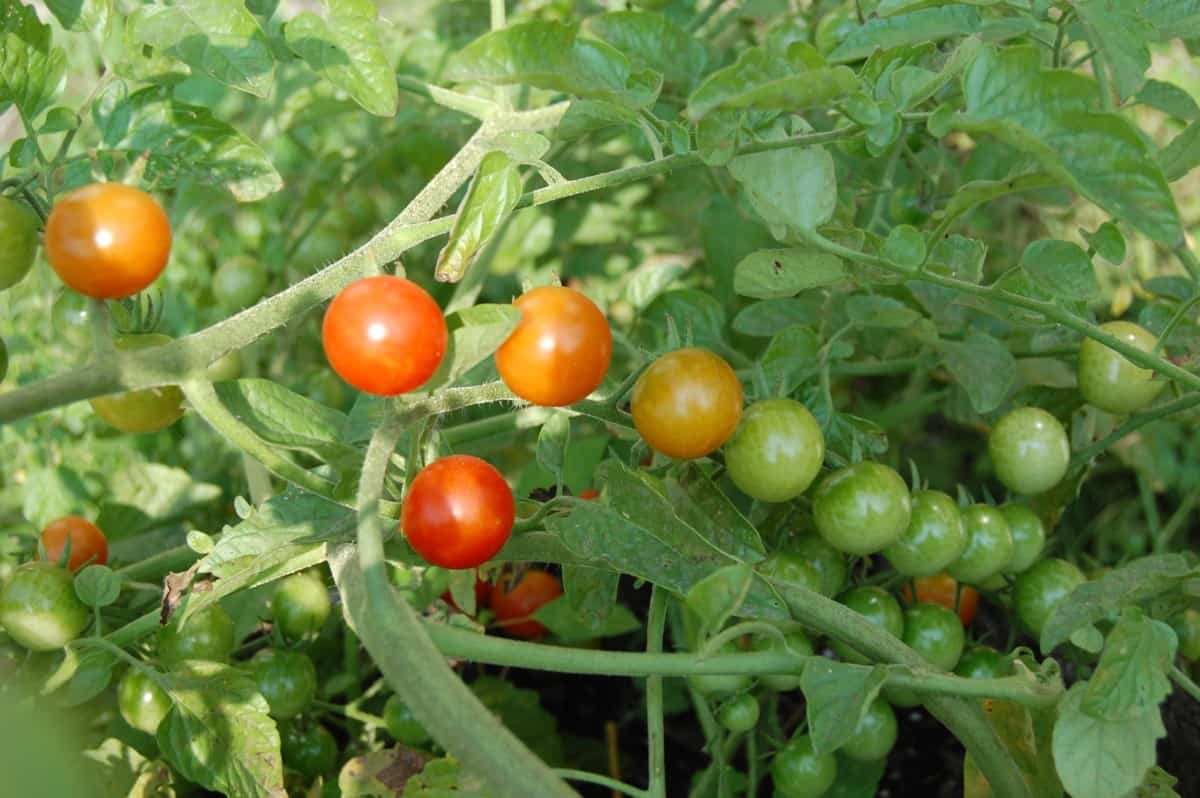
{"x":300,"y":606}
{"x":309,"y":749}
{"x":983,"y":662}
{"x":989,"y":545}
{"x":877,"y":606}
{"x":147,"y":410}
{"x":1108,"y":380}
{"x":1039,"y":590}
{"x":863,"y":508}
{"x":458,"y":512}
{"x":39,"y":608}
{"x":1029,"y":450}
{"x":934,"y":538}
{"x":142,"y":703}
{"x":206,"y":635}
{"x":875,"y":734}
{"x":287,"y":679}
{"x":799,"y":772}
{"x":18,"y":229}
{"x":1028,"y":535}
{"x":934,"y":632}
{"x":687,"y":403}
{"x":87,"y":542}
{"x":740,"y":713}
{"x":239,"y":282}
{"x":402,"y":724}
{"x":777,"y":450}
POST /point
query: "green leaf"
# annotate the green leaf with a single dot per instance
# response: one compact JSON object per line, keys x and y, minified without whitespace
{"x":1099,"y":758}
{"x":591,"y":593}
{"x":345,"y":49}
{"x":218,"y":733}
{"x":1119,"y":34}
{"x":978,"y":192}
{"x":881,"y":311}
{"x":780,"y":273}
{"x":554,"y":439}
{"x":288,"y":420}
{"x":926,"y":25}
{"x":719,"y":595}
{"x":475,"y":333}
{"x":85,"y":674}
{"x":143,"y":495}
{"x":588,"y":116}
{"x":568,"y":626}
{"x":82,"y":15}
{"x":652,"y":41}
{"x":794,"y":189}
{"x":31,"y":67}
{"x":909,"y":86}
{"x":217,"y":38}
{"x":905,"y":246}
{"x":983,"y":367}
{"x":1173,"y":18}
{"x":1132,"y":676}
{"x":790,"y":358}
{"x":52,"y":493}
{"x":768,"y":317}
{"x":490,"y":200}
{"x":1061,"y":268}
{"x":97,"y":586}
{"x":1170,"y":99}
{"x":1182,"y":154}
{"x":462,"y":589}
{"x":838,"y":695}
{"x":441,"y":778}
{"x":1107,"y":242}
{"x":764,"y":80}
{"x":1025,"y":735}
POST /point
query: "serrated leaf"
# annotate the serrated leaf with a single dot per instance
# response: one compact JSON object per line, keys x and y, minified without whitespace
{"x":590,"y":592}
{"x":1119,"y":33}
{"x":699,"y":502}
{"x":493,"y":195}
{"x":475,"y":333}
{"x":764,"y":80}
{"x":31,"y":67}
{"x":779,"y":273}
{"x":288,"y":420}
{"x":569,"y":626}
{"x":82,"y":15}
{"x":925,"y":25}
{"x":983,"y":367}
{"x":1061,"y":268}
{"x":553,"y":441}
{"x":838,"y":695}
{"x":1098,"y":758}
{"x":651,"y":41}
{"x":795,"y":189}
{"x":720,"y":594}
{"x":1132,"y":676}
{"x":345,"y":49}
{"x":881,"y":311}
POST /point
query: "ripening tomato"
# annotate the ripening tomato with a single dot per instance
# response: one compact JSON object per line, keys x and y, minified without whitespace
{"x":989,"y":545}
{"x":863,"y":508}
{"x":934,"y":538}
{"x":141,"y":702}
{"x":39,"y":608}
{"x":384,"y":335}
{"x":1108,"y":380}
{"x":687,"y":403}
{"x":776,"y":452}
{"x":1029,"y":450}
{"x":515,"y":604}
{"x":943,"y":589}
{"x":458,"y":512}
{"x":147,"y":410}
{"x":88,"y":544}
{"x":589,"y":494}
{"x":560,"y":350}
{"x":18,"y":231}
{"x":108,"y":240}
{"x":1028,"y":534}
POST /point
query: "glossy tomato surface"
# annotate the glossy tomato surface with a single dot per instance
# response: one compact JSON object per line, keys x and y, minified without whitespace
{"x":740,"y":713}
{"x":287,"y":679}
{"x":777,"y":450}
{"x":384,"y":335}
{"x":687,"y":403}
{"x":828,"y":563}
{"x":1029,"y":450}
{"x":147,"y":410}
{"x":935,"y":633}
{"x":983,"y":662}
{"x":1039,"y":590}
{"x":1028,"y":534}
{"x":515,"y":604}
{"x":863,"y":508}
{"x":989,"y":545}
{"x":141,"y":702}
{"x":300,"y":606}
{"x":934,"y":538}
{"x":875,"y":734}
{"x":799,"y":772}
{"x":877,"y":606}
{"x":108,"y":240}
{"x":458,"y":512}
{"x":39,"y":608}
{"x":207,"y":635}
{"x":1108,"y":380}
{"x":18,"y":232}
{"x":88,"y":544}
{"x":560,"y":350}
{"x":310,"y":750}
{"x":945,"y":590}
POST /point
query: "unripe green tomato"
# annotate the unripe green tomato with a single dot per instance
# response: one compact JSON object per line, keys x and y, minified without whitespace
{"x":739,"y":714}
{"x":310,"y":750}
{"x":797,"y":642}
{"x":142,"y":703}
{"x":225,"y":368}
{"x":714,"y":684}
{"x":39,"y":608}
{"x":18,"y":242}
{"x":828,"y":563}
{"x":1110,"y":382}
{"x":1029,"y":450}
{"x":147,"y":410}
{"x":777,"y":450}
{"x":239,"y":283}
{"x":1043,"y":587}
{"x":287,"y":679}
{"x":877,"y":606}
{"x":788,"y":568}
{"x":935,"y":536}
{"x":983,"y":662}
{"x":875,"y":735}
{"x":207,"y":635}
{"x":798,"y":772}
{"x":1187,"y":628}
{"x":1028,"y":534}
{"x":935,"y":633}
{"x":300,"y":606}
{"x":989,"y":545}
{"x":402,"y":724}
{"x":862,"y":509}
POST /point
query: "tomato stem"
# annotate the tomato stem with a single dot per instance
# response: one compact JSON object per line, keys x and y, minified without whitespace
{"x":655,"y":724}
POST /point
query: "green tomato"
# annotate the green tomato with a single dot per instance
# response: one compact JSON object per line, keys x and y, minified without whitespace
{"x":1029,"y":450}
{"x":300,"y":606}
{"x":935,"y":633}
{"x":776,"y":452}
{"x":1187,"y":628}
{"x":828,"y":563}
{"x":1028,"y":534}
{"x":71,"y":320}
{"x":798,"y":772}
{"x":877,"y":606}
{"x":309,"y":750}
{"x":239,"y":283}
{"x":142,"y":703}
{"x":1110,"y":382}
{"x":207,"y":635}
{"x":18,"y":231}
{"x":935,"y":536}
{"x":797,"y":642}
{"x":715,"y":684}
{"x":983,"y":662}
{"x":39,"y":608}
{"x":402,"y":724}
{"x":148,"y":410}
{"x":739,"y":714}
{"x":1042,"y":588}
{"x":789,"y":568}
{"x":287,"y":679}
{"x":862,"y":508}
{"x":989,"y":545}
{"x":833,"y":28}
{"x":875,"y":735}
{"x":225,"y":368}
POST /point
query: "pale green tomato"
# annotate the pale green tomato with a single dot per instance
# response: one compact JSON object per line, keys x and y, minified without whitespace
{"x":934,"y":538}
{"x":1110,"y":382}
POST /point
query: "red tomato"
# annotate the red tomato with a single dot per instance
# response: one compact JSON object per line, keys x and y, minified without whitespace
{"x":941,"y":589}
{"x":687,"y":403}
{"x":515,"y":603}
{"x":459,"y":512}
{"x":589,"y":494}
{"x":108,"y":240}
{"x":88,"y":544}
{"x":560,"y":350}
{"x":384,"y":335}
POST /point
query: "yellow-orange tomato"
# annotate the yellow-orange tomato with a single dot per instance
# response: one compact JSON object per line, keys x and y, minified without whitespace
{"x":942,"y":589}
{"x":687,"y":403}
{"x":108,"y":240}
{"x":560,"y":351}
{"x":88,"y":544}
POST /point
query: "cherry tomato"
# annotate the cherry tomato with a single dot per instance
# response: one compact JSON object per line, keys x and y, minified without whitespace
{"x":1029,"y":450}
{"x":935,"y":633}
{"x":384,"y":335}
{"x":207,"y":635}
{"x":739,"y":714}
{"x":88,"y":544}
{"x":39,"y":608}
{"x":310,"y":750}
{"x":458,"y":512}
{"x":776,"y":452}
{"x":1028,"y":534}
{"x":142,"y":703}
{"x":687,"y":403}
{"x":515,"y":605}
{"x":300,"y":606}
{"x":148,"y":410}
{"x":798,"y":772}
{"x":239,"y":282}
{"x":989,"y":545}
{"x":797,"y":642}
{"x":1187,"y":628}
{"x":877,"y":606}
{"x":717,"y":684}
{"x":287,"y":679}
{"x":828,"y":563}
{"x":18,"y":231}
{"x":943,"y":589}
{"x":1110,"y":382}
{"x":983,"y":662}
{"x":934,"y":538}
{"x":402,"y":724}
{"x":1043,"y":587}
{"x":108,"y":240}
{"x":560,"y":350}
{"x":875,"y":734}
{"x":863,"y":508}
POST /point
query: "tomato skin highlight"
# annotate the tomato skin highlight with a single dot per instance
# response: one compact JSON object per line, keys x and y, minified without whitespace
{"x":458,"y":512}
{"x":989,"y":545}
{"x":1108,"y":380}
{"x":776,"y":452}
{"x":943,"y":589}
{"x":877,"y":606}
{"x":935,"y":633}
{"x":88,"y":544}
{"x":108,"y":240}
{"x":310,"y":751}
{"x":863,"y":508}
{"x":18,"y":231}
{"x":515,"y":605}
{"x":933,"y":539}
{"x":1028,"y":534}
{"x":828,"y":563}
{"x":384,"y":335}
{"x":983,"y":662}
{"x":287,"y":679}
{"x":207,"y":635}
{"x":560,"y":350}
{"x":147,"y":410}
{"x":300,"y":606}
{"x":141,"y":702}
{"x":1029,"y":450}
{"x":875,"y":734}
{"x":687,"y":403}
{"x":39,"y":608}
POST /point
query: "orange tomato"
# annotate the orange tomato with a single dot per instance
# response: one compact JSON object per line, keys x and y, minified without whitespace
{"x":88,"y":544}
{"x":514,"y":604}
{"x":942,"y":589}
{"x":687,"y":403}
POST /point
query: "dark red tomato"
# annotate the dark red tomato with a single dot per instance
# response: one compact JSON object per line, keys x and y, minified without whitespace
{"x":384,"y":335}
{"x":108,"y":240}
{"x":687,"y":403}
{"x":88,"y":544}
{"x":560,"y":350}
{"x":942,"y":589}
{"x":516,"y":604}
{"x":458,"y":513}
{"x":483,"y":593}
